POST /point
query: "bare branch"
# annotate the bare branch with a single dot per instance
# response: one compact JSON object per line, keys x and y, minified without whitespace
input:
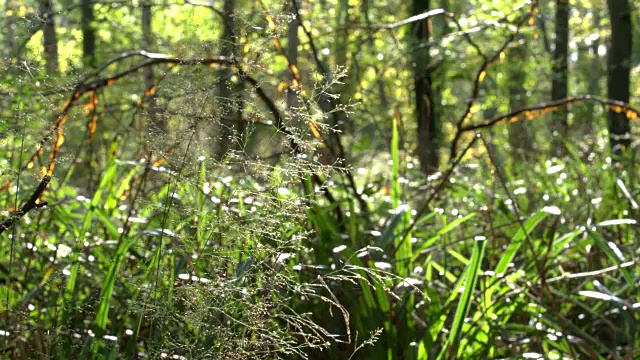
{"x":551,"y":106}
{"x":333,"y":103}
{"x":27,"y":206}
{"x":208,"y":5}
{"x":416,"y":18}
{"x":482,"y":72}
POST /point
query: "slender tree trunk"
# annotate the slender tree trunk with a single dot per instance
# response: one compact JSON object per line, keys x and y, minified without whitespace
{"x":428,"y":127}
{"x":341,"y":51}
{"x":595,"y":71}
{"x":146,"y":40}
{"x":520,"y":135}
{"x":9,"y":33}
{"x":50,"y":38}
{"x":293,"y":41}
{"x":619,"y":71}
{"x":228,"y":92}
{"x":559,"y":87}
{"x":88,"y":35}
{"x":382,"y":94}
{"x":156,"y":118}
{"x":384,"y":103}
{"x":334,"y":152}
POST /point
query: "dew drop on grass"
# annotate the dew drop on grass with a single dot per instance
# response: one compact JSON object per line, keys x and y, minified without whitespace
{"x":554,"y":169}
{"x":554,"y":210}
{"x":339,"y":249}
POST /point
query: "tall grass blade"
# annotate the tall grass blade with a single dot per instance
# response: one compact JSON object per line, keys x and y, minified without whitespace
{"x":518,"y":239}
{"x":464,"y":304}
{"x":615,"y":256}
{"x":403,"y":253}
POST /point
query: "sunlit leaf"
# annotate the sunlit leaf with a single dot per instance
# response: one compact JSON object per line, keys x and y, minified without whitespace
{"x":482,"y":76}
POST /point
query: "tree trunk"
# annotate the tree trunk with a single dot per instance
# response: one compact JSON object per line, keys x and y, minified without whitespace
{"x":342,"y":36}
{"x":9,"y":23}
{"x":228,"y":92}
{"x":384,"y":103}
{"x":520,"y":137}
{"x":50,"y":38}
{"x":619,"y":71}
{"x":595,"y":71}
{"x":159,"y":123}
{"x":88,"y":35}
{"x":342,"y":122}
{"x":559,"y":89}
{"x":293,"y":41}
{"x":428,"y":127}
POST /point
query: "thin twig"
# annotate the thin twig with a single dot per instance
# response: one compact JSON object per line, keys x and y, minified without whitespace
{"x":551,"y":106}
{"x":432,"y":13}
{"x":334,"y":106}
{"x":503,"y":184}
{"x":435,"y":193}
{"x":591,"y":273}
{"x":27,"y":206}
{"x":480,"y":75}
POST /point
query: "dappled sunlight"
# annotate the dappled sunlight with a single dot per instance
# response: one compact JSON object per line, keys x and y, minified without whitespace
{"x":302,"y":179}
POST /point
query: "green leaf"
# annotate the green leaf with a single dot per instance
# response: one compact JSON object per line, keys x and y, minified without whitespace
{"x":390,"y":233}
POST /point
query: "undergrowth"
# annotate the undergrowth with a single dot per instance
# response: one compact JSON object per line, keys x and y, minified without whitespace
{"x":176,"y":254}
{"x":125,"y":239}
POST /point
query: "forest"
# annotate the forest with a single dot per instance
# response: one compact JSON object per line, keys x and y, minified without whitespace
{"x":319,"y":179}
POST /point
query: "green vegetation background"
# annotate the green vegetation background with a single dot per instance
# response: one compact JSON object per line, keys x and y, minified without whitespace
{"x":243,"y":179}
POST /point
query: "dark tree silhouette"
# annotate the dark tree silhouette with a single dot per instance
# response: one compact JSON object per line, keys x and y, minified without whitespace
{"x":559,"y":88}
{"x":50,"y":38}
{"x":428,"y":126}
{"x":619,"y":71}
{"x":88,"y":34}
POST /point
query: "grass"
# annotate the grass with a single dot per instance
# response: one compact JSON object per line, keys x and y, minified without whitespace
{"x":494,"y":265}
{"x":226,"y":266}
{"x":166,"y":251}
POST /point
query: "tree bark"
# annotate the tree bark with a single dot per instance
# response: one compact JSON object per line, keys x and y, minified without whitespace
{"x":50,"y":38}
{"x":559,"y":86}
{"x":88,"y":35}
{"x":619,"y":71}
{"x":428,"y":127}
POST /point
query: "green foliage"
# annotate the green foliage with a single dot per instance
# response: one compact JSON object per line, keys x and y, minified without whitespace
{"x":314,"y":234}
